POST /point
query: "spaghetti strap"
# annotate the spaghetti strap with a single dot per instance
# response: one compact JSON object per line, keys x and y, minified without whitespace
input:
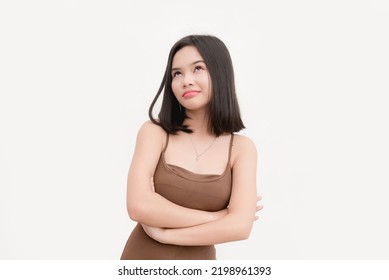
{"x":167,"y":142}
{"x":229,"y":151}
{"x":205,"y":192}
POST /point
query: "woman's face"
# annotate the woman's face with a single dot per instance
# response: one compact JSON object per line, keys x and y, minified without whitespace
{"x":191,"y":83}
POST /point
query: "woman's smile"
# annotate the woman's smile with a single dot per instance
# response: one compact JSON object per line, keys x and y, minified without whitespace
{"x":190,"y":93}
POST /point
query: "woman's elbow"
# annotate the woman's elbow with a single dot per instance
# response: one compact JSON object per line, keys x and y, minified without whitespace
{"x":132,"y":213}
{"x":245,"y":234}
{"x":135,"y":211}
{"x":243,"y":231}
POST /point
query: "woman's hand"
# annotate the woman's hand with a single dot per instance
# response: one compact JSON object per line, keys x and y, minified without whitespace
{"x":155,"y":233}
{"x":259,"y":207}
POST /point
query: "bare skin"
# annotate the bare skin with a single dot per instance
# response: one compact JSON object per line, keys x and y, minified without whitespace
{"x":165,"y":221}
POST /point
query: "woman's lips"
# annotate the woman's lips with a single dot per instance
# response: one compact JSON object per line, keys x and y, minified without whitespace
{"x":189,"y":94}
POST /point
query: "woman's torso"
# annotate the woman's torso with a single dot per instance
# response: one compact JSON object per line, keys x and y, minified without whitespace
{"x":208,"y":192}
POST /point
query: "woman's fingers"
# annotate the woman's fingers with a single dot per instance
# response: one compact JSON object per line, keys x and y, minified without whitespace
{"x":259,"y":207}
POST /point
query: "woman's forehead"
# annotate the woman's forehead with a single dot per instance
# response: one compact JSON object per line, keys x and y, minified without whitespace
{"x":186,"y":56}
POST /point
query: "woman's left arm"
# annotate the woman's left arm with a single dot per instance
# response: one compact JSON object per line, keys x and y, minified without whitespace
{"x":237,"y":223}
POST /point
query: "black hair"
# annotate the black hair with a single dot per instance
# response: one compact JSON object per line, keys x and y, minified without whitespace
{"x":224,"y":113}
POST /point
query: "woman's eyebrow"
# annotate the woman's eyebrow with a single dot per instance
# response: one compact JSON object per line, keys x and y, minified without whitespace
{"x":197,"y":61}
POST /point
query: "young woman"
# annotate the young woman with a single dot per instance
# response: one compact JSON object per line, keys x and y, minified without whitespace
{"x":192,"y":181}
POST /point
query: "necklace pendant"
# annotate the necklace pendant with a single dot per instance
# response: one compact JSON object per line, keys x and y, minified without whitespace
{"x":198,"y":155}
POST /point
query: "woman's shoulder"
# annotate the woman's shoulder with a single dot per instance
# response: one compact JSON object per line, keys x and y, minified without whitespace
{"x":242,"y":141}
{"x":149,"y":127}
{"x":243,"y":146}
{"x":151,"y":131}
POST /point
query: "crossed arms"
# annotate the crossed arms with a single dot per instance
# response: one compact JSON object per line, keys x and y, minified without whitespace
{"x":170,"y":223}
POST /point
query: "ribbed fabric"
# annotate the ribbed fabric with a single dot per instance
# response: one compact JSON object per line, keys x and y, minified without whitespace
{"x":183,"y":187}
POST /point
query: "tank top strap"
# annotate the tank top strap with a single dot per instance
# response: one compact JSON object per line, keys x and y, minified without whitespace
{"x":167,"y":142}
{"x":231,"y":144}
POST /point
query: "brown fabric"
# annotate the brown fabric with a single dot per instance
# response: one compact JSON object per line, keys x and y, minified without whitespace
{"x":188,"y":189}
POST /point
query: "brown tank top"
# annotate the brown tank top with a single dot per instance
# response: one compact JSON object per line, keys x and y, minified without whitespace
{"x":188,"y":189}
{"x":207,"y":192}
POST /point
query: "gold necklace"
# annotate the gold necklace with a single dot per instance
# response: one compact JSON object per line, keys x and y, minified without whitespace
{"x":198,"y":155}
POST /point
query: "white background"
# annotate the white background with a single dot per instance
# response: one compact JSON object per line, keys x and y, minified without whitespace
{"x":76,"y":81}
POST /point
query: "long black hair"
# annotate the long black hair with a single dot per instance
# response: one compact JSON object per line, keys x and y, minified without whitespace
{"x":224,"y":113}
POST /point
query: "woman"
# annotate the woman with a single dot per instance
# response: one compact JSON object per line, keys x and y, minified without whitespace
{"x":192,"y":181}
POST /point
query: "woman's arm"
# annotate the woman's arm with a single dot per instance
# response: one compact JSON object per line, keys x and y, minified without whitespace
{"x":143,"y":204}
{"x":237,"y":224}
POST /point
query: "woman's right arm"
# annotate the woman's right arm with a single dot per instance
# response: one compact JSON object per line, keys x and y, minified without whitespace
{"x":143,"y":204}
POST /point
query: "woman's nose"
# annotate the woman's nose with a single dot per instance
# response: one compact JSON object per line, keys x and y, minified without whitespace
{"x":187,"y":80}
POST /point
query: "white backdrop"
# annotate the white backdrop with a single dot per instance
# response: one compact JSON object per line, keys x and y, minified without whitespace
{"x":76,"y":81}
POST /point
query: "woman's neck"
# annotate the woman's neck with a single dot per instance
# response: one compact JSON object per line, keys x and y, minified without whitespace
{"x":198,"y":122}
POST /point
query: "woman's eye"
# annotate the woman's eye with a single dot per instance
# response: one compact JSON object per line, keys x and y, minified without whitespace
{"x":175,"y":74}
{"x":197,"y":68}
